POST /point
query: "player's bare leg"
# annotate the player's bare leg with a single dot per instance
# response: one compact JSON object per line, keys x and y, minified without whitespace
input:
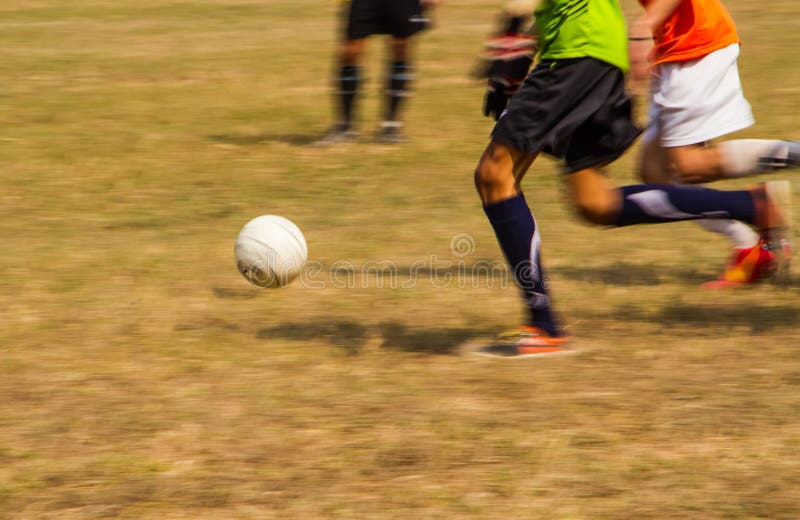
{"x":500,"y":172}
{"x":654,"y":164}
{"x":594,"y":196}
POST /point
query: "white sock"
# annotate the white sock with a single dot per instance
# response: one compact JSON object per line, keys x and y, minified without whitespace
{"x":741,"y":157}
{"x":738,"y":233}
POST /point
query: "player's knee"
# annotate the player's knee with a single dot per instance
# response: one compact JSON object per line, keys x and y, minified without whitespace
{"x":400,"y":49}
{"x":494,"y":175}
{"x":490,"y":174}
{"x":351,"y":52}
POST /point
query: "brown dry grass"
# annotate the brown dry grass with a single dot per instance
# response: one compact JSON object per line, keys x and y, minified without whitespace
{"x":140,"y":376}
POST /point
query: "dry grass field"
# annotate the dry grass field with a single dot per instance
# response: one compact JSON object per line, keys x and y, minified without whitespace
{"x":141,"y":377}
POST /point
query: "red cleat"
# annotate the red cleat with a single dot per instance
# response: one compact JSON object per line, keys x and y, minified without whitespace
{"x":745,"y":266}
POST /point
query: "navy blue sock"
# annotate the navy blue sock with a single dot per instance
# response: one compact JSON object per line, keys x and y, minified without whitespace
{"x":515,"y":228}
{"x":653,"y":203}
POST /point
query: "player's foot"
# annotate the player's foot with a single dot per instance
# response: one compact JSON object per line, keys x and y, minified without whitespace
{"x":793,"y":157}
{"x":746,"y":265}
{"x":339,"y":133}
{"x":525,"y":342}
{"x":773,"y":220}
{"x":391,"y":132}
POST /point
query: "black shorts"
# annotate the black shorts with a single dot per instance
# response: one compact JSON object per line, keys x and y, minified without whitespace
{"x":399,"y":18}
{"x":575,"y":110}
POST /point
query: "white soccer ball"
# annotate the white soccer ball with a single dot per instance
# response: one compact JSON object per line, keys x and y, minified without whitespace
{"x":270,"y":251}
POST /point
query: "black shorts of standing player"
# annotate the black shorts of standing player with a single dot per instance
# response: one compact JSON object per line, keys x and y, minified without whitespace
{"x":398,"y":18}
{"x":576,"y":110}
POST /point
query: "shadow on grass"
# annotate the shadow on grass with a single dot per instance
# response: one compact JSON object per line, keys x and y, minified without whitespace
{"x":430,"y":341}
{"x":253,"y":139}
{"x":760,"y":319}
{"x":625,"y":274}
{"x":352,"y":336}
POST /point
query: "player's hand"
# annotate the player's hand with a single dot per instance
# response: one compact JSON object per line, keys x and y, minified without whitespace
{"x":498,"y":92}
{"x":508,"y":57}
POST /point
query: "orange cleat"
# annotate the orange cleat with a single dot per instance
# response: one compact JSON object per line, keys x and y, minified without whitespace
{"x":525,"y":341}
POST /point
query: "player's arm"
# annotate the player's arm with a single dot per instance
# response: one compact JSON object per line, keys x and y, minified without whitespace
{"x":655,"y":14}
{"x":641,"y":33}
{"x":508,"y":55}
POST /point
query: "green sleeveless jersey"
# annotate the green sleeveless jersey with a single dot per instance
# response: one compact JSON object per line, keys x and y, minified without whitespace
{"x":583,"y":28}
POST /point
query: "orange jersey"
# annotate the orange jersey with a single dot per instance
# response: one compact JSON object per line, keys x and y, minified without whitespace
{"x":695,"y":29}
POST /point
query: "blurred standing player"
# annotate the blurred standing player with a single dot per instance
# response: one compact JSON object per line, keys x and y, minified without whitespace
{"x":696,"y":96}
{"x":573,"y":106}
{"x":400,"y":19}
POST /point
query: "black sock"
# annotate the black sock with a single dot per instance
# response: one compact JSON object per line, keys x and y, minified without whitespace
{"x":348,"y":88}
{"x":399,"y":79}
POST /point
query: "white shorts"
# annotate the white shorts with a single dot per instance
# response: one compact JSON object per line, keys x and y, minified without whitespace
{"x":694,"y":101}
